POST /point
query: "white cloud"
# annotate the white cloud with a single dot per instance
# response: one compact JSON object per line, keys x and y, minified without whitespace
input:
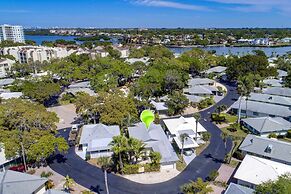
{"x":257,"y":5}
{"x":169,"y":4}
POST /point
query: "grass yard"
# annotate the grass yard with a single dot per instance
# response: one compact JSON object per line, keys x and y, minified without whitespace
{"x":230,"y":118}
{"x":180,"y":165}
{"x":201,"y":148}
{"x":233,"y":163}
{"x":239,"y":133}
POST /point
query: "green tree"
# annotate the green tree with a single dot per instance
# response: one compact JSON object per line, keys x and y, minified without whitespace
{"x":197,"y":187}
{"x":136,"y":148}
{"x":114,"y":108}
{"x":176,"y":103}
{"x":183,"y":137}
{"x":197,"y":117}
{"x":68,"y":184}
{"x":46,"y":146}
{"x":155,"y":157}
{"x":119,"y":147}
{"x":278,"y":186}
{"x":86,"y":106}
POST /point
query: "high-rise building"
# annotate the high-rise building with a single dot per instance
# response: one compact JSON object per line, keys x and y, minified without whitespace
{"x":13,"y":33}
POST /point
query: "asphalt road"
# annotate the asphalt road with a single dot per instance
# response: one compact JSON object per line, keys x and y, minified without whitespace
{"x":210,"y":159}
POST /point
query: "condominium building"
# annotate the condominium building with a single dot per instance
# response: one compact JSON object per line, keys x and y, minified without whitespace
{"x":13,"y":33}
{"x":28,"y":54}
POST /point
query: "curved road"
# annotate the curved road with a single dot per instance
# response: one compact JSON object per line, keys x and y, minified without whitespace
{"x":210,"y":159}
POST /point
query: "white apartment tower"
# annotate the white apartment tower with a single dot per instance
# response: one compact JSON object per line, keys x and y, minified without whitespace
{"x":13,"y":33}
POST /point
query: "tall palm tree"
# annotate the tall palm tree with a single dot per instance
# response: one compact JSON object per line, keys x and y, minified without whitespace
{"x":136,"y":148}
{"x":119,"y":145}
{"x":224,"y":137}
{"x":245,"y":87}
{"x":105,"y":164}
{"x":69,"y":182}
{"x":183,"y":138}
{"x":197,"y":117}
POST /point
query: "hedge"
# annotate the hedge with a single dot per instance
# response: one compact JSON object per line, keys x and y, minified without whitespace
{"x":130,"y":168}
{"x":217,"y":117}
{"x":151,"y":167}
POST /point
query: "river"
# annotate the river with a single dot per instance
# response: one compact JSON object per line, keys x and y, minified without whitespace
{"x":220,"y":50}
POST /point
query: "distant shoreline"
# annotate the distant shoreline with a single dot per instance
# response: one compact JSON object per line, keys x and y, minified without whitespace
{"x":222,"y":45}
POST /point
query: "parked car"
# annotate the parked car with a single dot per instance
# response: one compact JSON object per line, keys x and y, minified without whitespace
{"x":188,"y":152}
{"x":75,"y":127}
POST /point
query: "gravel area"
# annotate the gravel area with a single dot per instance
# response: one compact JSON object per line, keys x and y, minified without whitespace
{"x":153,"y":177}
{"x":66,"y":114}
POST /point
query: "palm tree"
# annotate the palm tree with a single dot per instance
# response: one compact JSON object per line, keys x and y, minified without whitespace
{"x":197,"y":117}
{"x":136,"y":148}
{"x":105,"y":163}
{"x":183,"y":138}
{"x":245,"y":87}
{"x":224,"y":137}
{"x":119,"y":145}
{"x":69,"y":182}
{"x":199,"y":186}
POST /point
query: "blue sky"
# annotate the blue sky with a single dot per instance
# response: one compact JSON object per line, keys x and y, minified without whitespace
{"x":146,"y":13}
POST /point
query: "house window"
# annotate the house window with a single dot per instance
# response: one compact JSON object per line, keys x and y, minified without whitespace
{"x":243,"y":111}
{"x":255,"y":113}
{"x":271,"y":115}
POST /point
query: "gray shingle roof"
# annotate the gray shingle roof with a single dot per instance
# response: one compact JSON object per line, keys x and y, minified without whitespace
{"x":217,"y":69}
{"x":280,"y":151}
{"x":272,"y":99}
{"x":5,"y":82}
{"x":282,"y":73}
{"x":159,"y":105}
{"x":13,"y":182}
{"x":155,"y":138}
{"x":265,"y":108}
{"x":238,"y":189}
{"x":84,"y":84}
{"x":98,"y":136}
{"x":205,"y":90}
{"x":268,"y":124}
{"x":273,"y":82}
{"x":278,"y":91}
{"x":193,"y":98}
{"x":199,"y":81}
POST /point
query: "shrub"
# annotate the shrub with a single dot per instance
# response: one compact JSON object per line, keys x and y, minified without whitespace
{"x":288,"y":134}
{"x":217,"y":117}
{"x":151,"y":167}
{"x":212,"y":175}
{"x":233,"y":127}
{"x":46,"y":174}
{"x":238,"y":155}
{"x":49,"y":184}
{"x":130,"y":169}
{"x":87,"y":157}
{"x":272,"y":135}
{"x":155,"y":157}
{"x":206,"y":136}
{"x":206,"y":103}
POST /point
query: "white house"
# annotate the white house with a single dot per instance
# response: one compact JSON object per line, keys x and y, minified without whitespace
{"x":95,"y":140}
{"x":5,"y":66}
{"x":175,"y":127}
{"x":254,"y":171}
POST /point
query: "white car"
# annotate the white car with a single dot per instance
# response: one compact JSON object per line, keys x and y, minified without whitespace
{"x":188,"y":152}
{"x":75,"y":127}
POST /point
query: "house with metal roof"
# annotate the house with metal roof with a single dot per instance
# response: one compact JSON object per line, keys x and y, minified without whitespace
{"x":278,"y":91}
{"x":270,"y":99}
{"x":95,"y":140}
{"x":216,"y":70}
{"x":260,"y":109}
{"x":254,"y":170}
{"x":155,"y":140}
{"x":200,"y":81}
{"x":266,"y":125}
{"x":238,"y":189}
{"x":273,"y":82}
{"x":13,"y":182}
{"x":268,"y":148}
{"x":194,"y":98}
{"x":160,"y":107}
{"x":77,"y":87}
{"x":282,"y":74}
{"x":201,"y":90}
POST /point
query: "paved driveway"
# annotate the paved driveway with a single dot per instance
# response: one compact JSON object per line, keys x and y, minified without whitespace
{"x":91,"y":177}
{"x":66,"y":113}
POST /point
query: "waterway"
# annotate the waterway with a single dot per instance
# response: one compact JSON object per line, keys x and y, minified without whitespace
{"x":220,"y":50}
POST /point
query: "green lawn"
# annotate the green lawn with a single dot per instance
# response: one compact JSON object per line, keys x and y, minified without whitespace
{"x":180,"y":165}
{"x":230,"y":118}
{"x":233,"y":163}
{"x":240,"y":133}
